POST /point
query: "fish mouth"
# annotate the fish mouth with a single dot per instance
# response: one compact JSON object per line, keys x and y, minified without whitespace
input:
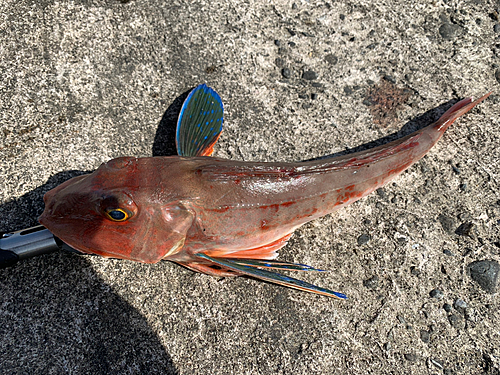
{"x":49,"y":218}
{"x":60,"y":227}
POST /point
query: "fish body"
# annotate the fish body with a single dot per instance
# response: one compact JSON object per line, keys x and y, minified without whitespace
{"x":217,"y":216}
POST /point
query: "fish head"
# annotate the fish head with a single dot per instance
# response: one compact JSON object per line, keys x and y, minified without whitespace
{"x":108,"y":212}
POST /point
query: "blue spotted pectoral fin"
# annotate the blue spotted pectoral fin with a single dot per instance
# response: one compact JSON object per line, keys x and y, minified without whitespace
{"x":272,"y":277}
{"x":200,"y":122}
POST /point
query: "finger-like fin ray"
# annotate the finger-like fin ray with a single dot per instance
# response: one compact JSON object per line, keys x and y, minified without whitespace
{"x":275,"y":265}
{"x":271,"y":277}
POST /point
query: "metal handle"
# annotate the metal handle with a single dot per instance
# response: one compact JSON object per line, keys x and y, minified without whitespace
{"x":27,"y":243}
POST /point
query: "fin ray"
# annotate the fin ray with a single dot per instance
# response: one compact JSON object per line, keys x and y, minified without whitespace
{"x":275,"y":265}
{"x":272,"y":277}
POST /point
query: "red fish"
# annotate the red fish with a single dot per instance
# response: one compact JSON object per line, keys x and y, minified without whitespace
{"x":216,"y":216}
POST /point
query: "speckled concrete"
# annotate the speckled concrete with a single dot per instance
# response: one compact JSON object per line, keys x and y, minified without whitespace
{"x":86,"y":81}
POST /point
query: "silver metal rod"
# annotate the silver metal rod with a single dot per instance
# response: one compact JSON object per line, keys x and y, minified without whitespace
{"x":30,"y":242}
{"x":27,"y":243}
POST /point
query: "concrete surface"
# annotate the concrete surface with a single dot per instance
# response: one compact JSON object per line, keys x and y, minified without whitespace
{"x":86,"y":81}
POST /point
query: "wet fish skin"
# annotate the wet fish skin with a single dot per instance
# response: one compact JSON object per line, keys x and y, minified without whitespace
{"x":179,"y":207}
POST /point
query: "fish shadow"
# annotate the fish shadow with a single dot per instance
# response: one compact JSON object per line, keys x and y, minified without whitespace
{"x":164,"y":142}
{"x":56,"y":310}
{"x":57,"y":313}
{"x":411,"y":126}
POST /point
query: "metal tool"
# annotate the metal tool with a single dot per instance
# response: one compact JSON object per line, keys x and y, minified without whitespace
{"x":27,"y":243}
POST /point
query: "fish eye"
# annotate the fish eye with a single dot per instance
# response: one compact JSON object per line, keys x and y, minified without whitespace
{"x":117,"y":214}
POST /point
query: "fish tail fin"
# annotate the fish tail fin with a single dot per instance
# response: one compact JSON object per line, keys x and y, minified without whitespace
{"x":458,"y":109}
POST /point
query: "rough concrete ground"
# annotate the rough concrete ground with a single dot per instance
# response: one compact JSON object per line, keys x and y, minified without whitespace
{"x":86,"y":81}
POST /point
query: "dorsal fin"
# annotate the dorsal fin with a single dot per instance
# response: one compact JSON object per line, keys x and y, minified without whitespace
{"x":200,"y":122}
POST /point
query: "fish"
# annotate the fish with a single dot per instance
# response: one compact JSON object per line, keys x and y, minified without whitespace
{"x":217,"y":216}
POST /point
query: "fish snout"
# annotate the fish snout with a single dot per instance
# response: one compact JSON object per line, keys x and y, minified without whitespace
{"x":52,"y":201}
{"x":50,"y":211}
{"x":62,"y":201}
{"x":48,"y":196}
{"x":51,"y":194}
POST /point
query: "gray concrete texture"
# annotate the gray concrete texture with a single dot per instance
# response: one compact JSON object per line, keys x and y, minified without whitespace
{"x":86,"y":81}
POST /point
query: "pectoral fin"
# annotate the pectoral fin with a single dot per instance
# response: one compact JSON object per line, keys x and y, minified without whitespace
{"x":248,"y":268}
{"x":162,"y":233}
{"x":200,"y":122}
